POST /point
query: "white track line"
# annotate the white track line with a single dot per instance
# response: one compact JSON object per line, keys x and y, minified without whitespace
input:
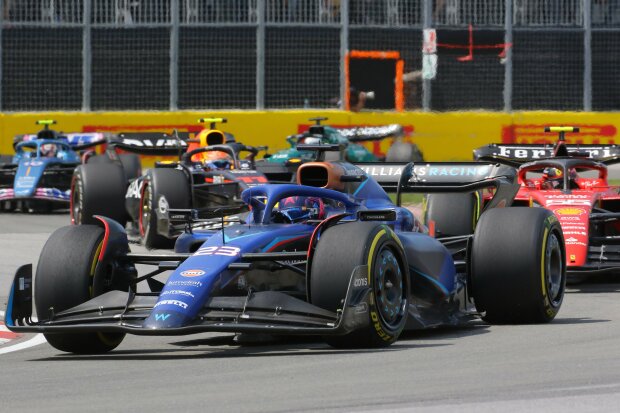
{"x":34,"y":341}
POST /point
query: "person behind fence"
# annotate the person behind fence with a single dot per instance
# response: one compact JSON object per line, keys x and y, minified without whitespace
{"x":358,"y":98}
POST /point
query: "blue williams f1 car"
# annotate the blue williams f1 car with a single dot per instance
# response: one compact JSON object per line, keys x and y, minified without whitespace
{"x":330,"y":257}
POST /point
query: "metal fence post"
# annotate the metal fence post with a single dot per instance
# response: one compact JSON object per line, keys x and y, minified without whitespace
{"x":587,"y":55}
{"x":260,"y":55}
{"x":508,"y":59}
{"x":174,"y":55}
{"x":344,"y":49}
{"x":87,"y":56}
{"x":427,"y":23}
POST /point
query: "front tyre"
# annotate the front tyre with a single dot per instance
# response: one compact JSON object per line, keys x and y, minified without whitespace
{"x":339,"y":251}
{"x":518,"y":269}
{"x":98,"y":189}
{"x":173,"y":186}
{"x":65,"y":278}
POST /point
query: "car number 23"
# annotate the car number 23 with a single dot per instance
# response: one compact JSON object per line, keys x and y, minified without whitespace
{"x":218,"y":250}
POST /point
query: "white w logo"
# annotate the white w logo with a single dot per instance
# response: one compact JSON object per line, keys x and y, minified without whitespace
{"x":161,"y":317}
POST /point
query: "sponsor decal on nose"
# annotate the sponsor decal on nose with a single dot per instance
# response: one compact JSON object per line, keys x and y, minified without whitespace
{"x":192,"y":273}
{"x":570,"y":211}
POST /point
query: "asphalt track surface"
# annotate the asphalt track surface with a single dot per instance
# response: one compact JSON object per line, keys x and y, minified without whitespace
{"x":572,"y":364}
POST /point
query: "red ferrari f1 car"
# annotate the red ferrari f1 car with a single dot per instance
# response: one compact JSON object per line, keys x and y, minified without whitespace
{"x":572,"y":182}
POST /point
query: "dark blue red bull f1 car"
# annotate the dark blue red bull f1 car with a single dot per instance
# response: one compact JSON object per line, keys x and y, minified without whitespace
{"x":212,"y":169}
{"x":330,"y":257}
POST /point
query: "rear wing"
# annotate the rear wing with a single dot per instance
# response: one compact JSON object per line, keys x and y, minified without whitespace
{"x":445,"y":177}
{"x":516,"y":155}
{"x":151,"y":143}
{"x":371,"y":133}
{"x":78,"y":141}
{"x":144,"y":143}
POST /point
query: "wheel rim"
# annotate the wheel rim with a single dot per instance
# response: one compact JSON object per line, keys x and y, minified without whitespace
{"x":145,"y":210}
{"x":389,"y":288}
{"x":76,"y":205}
{"x":554,"y":269}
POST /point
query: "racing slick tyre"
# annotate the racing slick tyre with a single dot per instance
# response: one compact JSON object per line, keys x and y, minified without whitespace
{"x":98,"y":189}
{"x":130,"y":162}
{"x":173,"y":186}
{"x":518,"y":270}
{"x":99,"y":159}
{"x":339,"y":251}
{"x":131,"y":165}
{"x":452,"y":214}
{"x":404,"y":152}
{"x":65,"y":278}
{"x":5,"y":159}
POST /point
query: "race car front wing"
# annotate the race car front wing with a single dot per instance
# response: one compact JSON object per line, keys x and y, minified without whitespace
{"x":258,"y":312}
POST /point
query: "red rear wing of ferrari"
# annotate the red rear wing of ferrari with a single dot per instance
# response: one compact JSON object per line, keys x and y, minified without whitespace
{"x":516,"y":154}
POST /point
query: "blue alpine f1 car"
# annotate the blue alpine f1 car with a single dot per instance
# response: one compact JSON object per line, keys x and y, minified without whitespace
{"x":39,"y":176}
{"x":331,"y":256}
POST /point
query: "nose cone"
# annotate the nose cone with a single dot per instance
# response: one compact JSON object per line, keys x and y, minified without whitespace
{"x":24,"y":187}
{"x":165,"y":319}
{"x":27,"y":178}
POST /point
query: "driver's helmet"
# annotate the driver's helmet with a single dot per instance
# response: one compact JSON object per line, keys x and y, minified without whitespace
{"x":216,"y":160}
{"x":552,"y":174}
{"x":48,"y":150}
{"x":299,"y":209}
{"x":310,"y":140}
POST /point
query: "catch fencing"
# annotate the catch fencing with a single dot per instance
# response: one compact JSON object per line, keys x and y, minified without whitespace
{"x":94,"y":55}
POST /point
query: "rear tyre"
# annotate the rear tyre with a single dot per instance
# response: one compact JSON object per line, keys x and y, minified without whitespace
{"x":452,"y":214}
{"x":173,"y":186}
{"x":99,"y":159}
{"x":131,"y":166}
{"x":98,"y":189}
{"x":340,"y":250}
{"x":130,"y":162}
{"x":404,"y":152}
{"x":518,"y":269}
{"x":65,"y":278}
